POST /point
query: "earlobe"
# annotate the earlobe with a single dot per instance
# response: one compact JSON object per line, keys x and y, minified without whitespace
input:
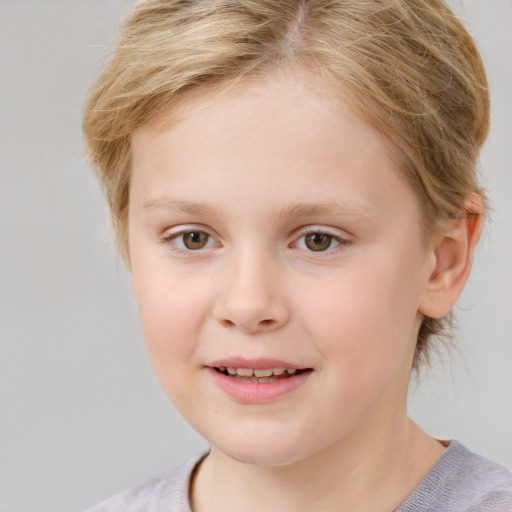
{"x":453,"y":252}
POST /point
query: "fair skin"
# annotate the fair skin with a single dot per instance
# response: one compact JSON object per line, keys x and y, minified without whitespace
{"x":271,"y":223}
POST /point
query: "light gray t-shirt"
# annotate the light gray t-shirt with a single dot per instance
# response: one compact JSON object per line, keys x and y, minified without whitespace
{"x":460,"y":481}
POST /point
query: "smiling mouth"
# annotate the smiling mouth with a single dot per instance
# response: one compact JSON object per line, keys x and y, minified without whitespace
{"x":260,"y":376}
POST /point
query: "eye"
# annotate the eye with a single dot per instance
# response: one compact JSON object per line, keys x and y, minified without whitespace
{"x":320,"y":241}
{"x":191,"y":240}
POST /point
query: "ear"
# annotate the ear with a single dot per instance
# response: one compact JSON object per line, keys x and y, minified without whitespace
{"x":453,"y":251}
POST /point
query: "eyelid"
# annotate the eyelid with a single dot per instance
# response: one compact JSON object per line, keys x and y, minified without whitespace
{"x":328,"y":230}
{"x":325,"y":230}
{"x":187,"y":228}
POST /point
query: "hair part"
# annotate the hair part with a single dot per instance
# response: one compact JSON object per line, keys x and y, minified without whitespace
{"x":410,"y":69}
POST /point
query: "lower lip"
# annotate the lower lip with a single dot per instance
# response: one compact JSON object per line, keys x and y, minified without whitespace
{"x":258,"y":392}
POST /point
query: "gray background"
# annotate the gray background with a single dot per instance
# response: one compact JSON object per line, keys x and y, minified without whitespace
{"x":82,"y":415}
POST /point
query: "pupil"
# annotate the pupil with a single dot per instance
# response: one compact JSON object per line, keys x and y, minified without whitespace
{"x":318,"y":241}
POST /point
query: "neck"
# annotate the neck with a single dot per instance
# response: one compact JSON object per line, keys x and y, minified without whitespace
{"x":353,"y":475}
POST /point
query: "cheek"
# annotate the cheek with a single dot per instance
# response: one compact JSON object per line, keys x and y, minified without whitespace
{"x":171,"y":314}
{"x":358,"y":328}
{"x":366,"y":321}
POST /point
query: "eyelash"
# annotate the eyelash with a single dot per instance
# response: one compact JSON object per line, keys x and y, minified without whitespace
{"x":170,"y":238}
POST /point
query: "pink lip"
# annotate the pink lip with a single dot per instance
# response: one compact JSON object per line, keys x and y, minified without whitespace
{"x":256,"y":392}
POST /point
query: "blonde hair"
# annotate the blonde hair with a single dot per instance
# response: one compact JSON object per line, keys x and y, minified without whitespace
{"x":410,"y":67}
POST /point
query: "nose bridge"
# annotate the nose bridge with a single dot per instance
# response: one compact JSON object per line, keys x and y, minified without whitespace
{"x":251,"y":294}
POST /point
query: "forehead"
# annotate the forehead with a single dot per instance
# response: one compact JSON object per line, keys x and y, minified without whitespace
{"x":265,"y":136}
{"x":287,"y":95}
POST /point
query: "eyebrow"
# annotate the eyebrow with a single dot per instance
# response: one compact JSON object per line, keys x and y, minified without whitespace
{"x":190,"y":207}
{"x":330,"y":209}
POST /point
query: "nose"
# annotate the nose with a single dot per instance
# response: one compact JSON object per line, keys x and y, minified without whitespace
{"x":251,"y":296}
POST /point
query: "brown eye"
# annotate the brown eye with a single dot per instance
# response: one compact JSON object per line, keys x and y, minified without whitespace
{"x":195,"y":240}
{"x":318,"y":241}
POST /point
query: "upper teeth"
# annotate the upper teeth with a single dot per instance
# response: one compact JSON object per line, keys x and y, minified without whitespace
{"x":249,"y":372}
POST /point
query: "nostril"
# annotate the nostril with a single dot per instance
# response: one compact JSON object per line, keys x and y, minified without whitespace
{"x":249,"y":317}
{"x":260,"y":325}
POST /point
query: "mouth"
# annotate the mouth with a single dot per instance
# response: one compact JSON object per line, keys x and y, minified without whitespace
{"x":261,"y":376}
{"x":258,"y":381}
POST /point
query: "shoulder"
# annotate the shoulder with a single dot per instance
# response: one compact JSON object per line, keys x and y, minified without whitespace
{"x":165,"y":492}
{"x":462,"y":481}
{"x":485,"y":485}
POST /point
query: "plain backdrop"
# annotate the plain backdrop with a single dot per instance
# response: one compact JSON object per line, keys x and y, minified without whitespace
{"x":82,"y":415}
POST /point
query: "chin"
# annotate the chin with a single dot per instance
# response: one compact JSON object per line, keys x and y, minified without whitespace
{"x":261,"y":457}
{"x":262,"y":450}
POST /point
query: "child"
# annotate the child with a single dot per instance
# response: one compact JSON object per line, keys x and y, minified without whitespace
{"x":293,"y":188}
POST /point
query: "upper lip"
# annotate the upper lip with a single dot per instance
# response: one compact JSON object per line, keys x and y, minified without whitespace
{"x":255,"y":364}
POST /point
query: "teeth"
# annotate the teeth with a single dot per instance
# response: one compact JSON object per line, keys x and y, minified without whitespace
{"x":261,"y":374}
{"x":244,"y":372}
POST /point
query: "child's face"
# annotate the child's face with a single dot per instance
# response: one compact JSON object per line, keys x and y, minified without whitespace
{"x":271,"y":229}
